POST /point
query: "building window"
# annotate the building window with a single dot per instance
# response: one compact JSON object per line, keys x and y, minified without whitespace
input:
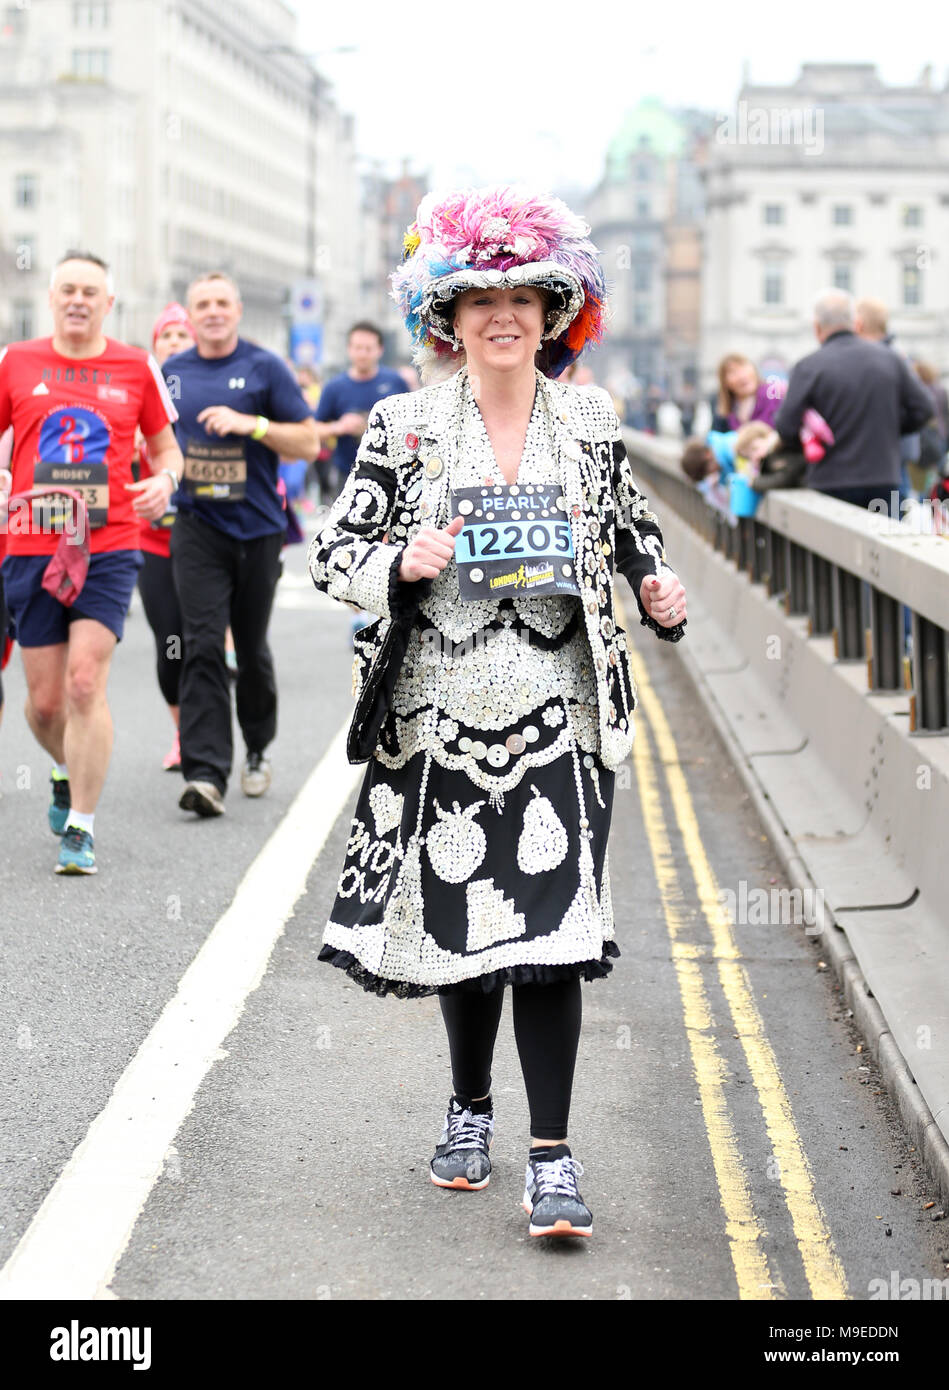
{"x":25,"y":191}
{"x":912,"y":216}
{"x":21,"y":320}
{"x":912,"y":286}
{"x":642,"y":207}
{"x":90,"y":63}
{"x":90,"y":14}
{"x":640,"y":315}
{"x":773,"y":287}
{"x":774,"y":214}
{"x":843,"y":276}
{"x":842,"y":215}
{"x":642,"y":278}
{"x":642,"y":172}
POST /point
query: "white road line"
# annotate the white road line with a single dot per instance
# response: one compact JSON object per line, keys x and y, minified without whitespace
{"x":77,"y":1237}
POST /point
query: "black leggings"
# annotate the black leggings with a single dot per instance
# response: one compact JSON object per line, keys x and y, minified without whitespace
{"x":160,"y":601}
{"x":547,"y":1032}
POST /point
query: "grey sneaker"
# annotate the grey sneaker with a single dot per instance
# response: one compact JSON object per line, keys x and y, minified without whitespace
{"x":202,"y":797}
{"x":461,"y":1156}
{"x":551,"y":1197}
{"x":255,"y":775}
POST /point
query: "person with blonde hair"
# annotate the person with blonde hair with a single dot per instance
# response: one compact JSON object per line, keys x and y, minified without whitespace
{"x":742,"y":395}
{"x":870,"y":320}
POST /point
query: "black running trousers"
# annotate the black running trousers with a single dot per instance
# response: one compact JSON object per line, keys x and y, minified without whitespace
{"x":160,"y":600}
{"x":221,"y":580}
{"x":547,"y":1032}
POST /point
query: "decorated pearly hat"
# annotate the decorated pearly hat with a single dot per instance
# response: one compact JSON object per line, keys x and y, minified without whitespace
{"x":497,"y":238}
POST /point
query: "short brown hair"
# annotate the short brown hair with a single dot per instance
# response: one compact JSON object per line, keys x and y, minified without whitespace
{"x":213,"y":275}
{"x":696,"y":458}
{"x":364,"y":326}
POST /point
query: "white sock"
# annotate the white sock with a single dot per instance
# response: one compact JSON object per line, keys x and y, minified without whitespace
{"x":81,"y":819}
{"x":60,"y":769}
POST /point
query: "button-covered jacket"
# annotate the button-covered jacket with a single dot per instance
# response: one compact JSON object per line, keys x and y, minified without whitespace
{"x":402,"y":481}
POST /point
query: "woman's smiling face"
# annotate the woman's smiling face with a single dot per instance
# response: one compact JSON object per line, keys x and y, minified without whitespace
{"x":500,"y":329}
{"x":741,"y":379}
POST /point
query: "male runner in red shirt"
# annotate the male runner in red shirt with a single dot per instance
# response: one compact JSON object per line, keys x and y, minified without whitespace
{"x":74,"y":401}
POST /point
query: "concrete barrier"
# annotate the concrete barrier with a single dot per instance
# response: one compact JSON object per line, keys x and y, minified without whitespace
{"x":856,"y":788}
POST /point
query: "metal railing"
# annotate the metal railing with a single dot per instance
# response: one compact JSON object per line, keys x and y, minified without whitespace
{"x":854,"y":575}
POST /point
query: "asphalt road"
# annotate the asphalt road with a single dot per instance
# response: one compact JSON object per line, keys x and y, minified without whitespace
{"x":300,"y":1171}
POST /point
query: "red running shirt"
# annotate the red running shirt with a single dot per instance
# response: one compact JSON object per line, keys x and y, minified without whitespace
{"x":74,"y":424}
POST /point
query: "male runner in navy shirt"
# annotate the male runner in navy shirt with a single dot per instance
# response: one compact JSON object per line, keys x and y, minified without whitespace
{"x":347,"y":399}
{"x":239,"y":408}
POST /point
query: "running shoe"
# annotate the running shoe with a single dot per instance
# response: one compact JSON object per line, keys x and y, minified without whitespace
{"x":202,"y":797}
{"x":171,"y":762}
{"x":59,"y":806}
{"x":551,"y":1197}
{"x":461,"y":1155}
{"x":76,"y":852}
{"x":255,"y":775}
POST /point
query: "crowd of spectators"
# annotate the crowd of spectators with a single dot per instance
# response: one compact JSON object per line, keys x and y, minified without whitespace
{"x":856,"y":419}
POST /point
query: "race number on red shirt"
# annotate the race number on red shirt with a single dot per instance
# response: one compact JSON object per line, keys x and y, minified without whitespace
{"x":74,"y":425}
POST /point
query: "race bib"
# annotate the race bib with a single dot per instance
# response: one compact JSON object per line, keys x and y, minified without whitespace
{"x":89,"y":479}
{"x":515,"y":538}
{"x":73,"y":444}
{"x":216,"y":470}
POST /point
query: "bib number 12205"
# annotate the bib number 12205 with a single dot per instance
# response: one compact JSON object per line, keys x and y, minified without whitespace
{"x":514,"y":539}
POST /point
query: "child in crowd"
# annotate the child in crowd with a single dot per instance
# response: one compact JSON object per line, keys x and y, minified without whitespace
{"x":700,"y":464}
{"x":761,"y":457}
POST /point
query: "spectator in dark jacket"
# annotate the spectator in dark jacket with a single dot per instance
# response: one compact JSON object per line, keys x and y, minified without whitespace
{"x":871,"y":321}
{"x":930,"y":378}
{"x":933,"y":437}
{"x":869,"y":397}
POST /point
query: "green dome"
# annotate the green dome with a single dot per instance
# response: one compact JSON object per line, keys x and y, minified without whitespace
{"x":647,"y":129}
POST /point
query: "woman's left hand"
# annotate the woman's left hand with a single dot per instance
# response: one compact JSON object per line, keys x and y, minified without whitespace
{"x":663,"y":598}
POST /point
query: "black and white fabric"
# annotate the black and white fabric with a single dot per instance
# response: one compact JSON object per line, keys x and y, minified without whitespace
{"x":478,"y":849}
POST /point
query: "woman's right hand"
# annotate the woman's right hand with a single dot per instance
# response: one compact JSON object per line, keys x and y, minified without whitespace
{"x":429,"y":551}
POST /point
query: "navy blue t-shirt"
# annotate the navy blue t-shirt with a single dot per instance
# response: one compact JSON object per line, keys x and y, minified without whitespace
{"x":230,"y":481}
{"x":342,"y":393}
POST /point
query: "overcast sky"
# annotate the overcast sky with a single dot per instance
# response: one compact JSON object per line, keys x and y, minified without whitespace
{"x":536,"y":93}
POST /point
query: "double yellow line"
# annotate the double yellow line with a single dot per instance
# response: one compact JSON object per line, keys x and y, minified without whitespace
{"x":822,"y":1267}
